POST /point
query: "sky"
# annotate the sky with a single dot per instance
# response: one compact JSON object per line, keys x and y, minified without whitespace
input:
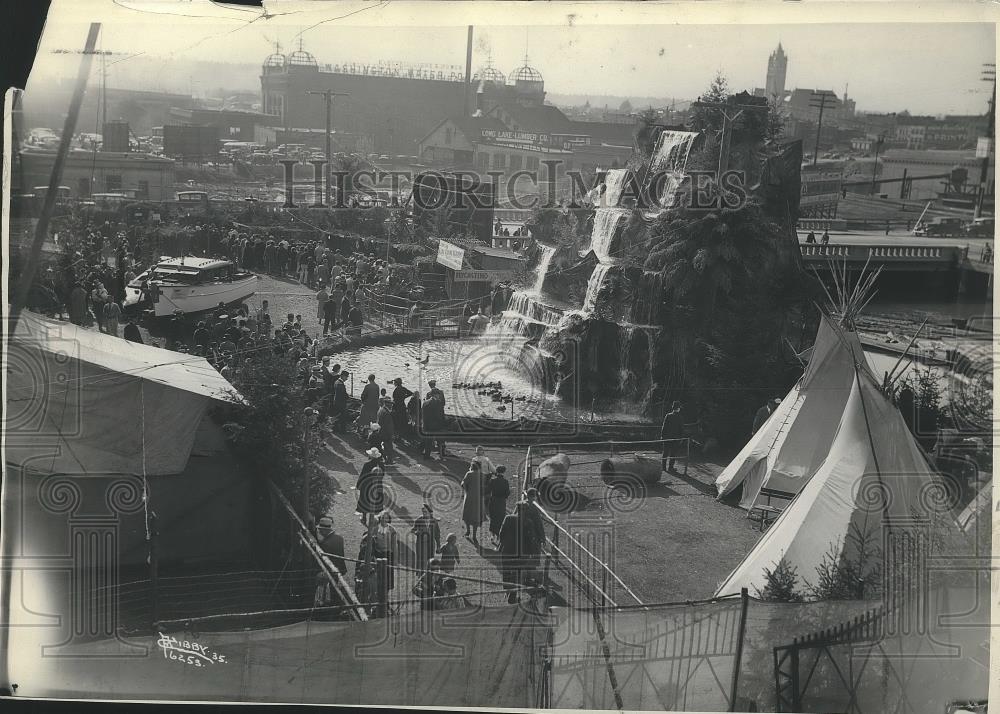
{"x":926,"y":68}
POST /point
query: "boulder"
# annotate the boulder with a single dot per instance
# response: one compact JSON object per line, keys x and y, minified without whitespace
{"x":625,"y":469}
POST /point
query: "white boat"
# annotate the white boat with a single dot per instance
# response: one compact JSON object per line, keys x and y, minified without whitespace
{"x":189,"y":285}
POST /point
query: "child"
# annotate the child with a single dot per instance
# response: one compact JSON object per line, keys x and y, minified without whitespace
{"x":449,"y":553}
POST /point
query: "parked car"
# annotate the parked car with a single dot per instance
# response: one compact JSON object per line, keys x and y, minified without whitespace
{"x":980,"y":227}
{"x":941,"y":226}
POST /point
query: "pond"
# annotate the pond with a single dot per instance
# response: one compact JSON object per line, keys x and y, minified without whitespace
{"x":468,"y":370}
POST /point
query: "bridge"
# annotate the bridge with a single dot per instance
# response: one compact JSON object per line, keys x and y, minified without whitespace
{"x":969,"y":260}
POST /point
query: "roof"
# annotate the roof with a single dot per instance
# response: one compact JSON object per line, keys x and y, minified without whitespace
{"x":470,"y":126}
{"x":177,"y":370}
{"x":607,"y":132}
{"x":542,"y":119}
{"x":104,"y":405}
{"x":496,"y":252}
{"x":197,"y":263}
{"x":929,"y":155}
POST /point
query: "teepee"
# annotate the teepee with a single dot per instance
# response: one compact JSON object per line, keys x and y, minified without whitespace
{"x":874,"y":479}
{"x":840,"y":450}
{"x":790,"y":446}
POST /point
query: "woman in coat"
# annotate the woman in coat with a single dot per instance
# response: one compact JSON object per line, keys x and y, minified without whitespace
{"x":369,"y":486}
{"x":497,"y":492}
{"x":472,"y":507}
{"x":428,"y":535}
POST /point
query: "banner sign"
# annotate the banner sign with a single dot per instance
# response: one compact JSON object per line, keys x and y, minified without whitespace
{"x":983,"y":147}
{"x":449,"y":255}
{"x":515,"y":137}
{"x":483,"y":276}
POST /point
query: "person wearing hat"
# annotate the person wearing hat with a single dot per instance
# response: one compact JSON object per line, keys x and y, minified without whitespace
{"x":384,"y":418}
{"x":433,"y":392}
{"x":429,"y":585}
{"x":764,"y":413}
{"x":369,"y":404}
{"x":672,"y":429}
{"x":131,"y":331}
{"x":532,"y":530}
{"x":331,"y":543}
{"x":338,"y":402}
{"x":399,"y":396}
{"x":427,"y":532}
{"x":369,"y":486}
{"x":375,"y":438}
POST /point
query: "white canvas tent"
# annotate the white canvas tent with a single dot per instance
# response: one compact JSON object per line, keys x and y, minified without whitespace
{"x":791,"y":445}
{"x":873,"y":478}
{"x":83,"y":402}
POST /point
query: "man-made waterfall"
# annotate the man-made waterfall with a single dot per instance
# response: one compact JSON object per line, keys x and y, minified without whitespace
{"x":606,"y":221}
{"x":594,"y":286}
{"x":671,"y":152}
{"x":543,"y":266}
{"x":525,"y":316}
{"x":614,"y":183}
{"x":668,"y":165}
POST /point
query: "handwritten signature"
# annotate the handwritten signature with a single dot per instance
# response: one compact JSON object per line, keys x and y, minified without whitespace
{"x":187,"y":652}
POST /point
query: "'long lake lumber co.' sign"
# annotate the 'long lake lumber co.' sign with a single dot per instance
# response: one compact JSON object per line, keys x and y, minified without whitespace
{"x":449,"y":255}
{"x":515,"y":137}
{"x":482,"y":276}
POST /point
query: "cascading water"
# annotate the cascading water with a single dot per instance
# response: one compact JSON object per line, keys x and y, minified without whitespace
{"x":614,"y":183}
{"x":668,"y":164}
{"x":594,"y":286}
{"x":543,"y":266}
{"x":606,"y":221}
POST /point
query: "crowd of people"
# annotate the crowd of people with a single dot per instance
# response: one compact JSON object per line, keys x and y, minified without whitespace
{"x":517,"y":535}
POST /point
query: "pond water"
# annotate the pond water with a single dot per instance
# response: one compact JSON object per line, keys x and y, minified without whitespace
{"x":463,"y":369}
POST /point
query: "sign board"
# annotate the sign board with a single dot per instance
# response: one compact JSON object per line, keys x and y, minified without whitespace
{"x":449,"y":255}
{"x":503,"y":136}
{"x":483,"y":276}
{"x":983,"y":147}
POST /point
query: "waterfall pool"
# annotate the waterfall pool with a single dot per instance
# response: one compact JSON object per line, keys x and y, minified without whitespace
{"x":471,"y":361}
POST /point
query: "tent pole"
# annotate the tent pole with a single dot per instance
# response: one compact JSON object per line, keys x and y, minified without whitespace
{"x":744,"y":602}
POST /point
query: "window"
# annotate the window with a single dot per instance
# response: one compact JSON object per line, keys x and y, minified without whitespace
{"x":112,"y":182}
{"x":143,"y":191}
{"x":515,"y":162}
{"x":532,"y":163}
{"x":499,"y":160}
{"x":447,"y":135}
{"x":482,"y":161}
{"x":234,"y":131}
{"x":83,"y":187}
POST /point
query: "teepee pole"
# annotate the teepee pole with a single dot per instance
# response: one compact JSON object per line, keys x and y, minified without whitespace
{"x":889,"y":378}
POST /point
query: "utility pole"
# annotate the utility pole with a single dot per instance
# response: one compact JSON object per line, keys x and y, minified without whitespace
{"x":989,"y":75}
{"x":41,"y":229}
{"x":329,"y":95}
{"x":878,"y":146}
{"x":727,"y":126}
{"x":818,"y":101}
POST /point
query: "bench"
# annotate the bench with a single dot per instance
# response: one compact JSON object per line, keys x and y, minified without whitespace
{"x":766,"y":513}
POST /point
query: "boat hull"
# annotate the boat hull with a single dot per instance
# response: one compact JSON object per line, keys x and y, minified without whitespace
{"x":199,"y":298}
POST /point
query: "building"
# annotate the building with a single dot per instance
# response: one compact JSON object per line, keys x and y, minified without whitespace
{"x":915,"y":163}
{"x":508,"y":137}
{"x":232,"y":124}
{"x":777,"y":67}
{"x":88,"y":172}
{"x":396,"y":105}
{"x":45,"y":106}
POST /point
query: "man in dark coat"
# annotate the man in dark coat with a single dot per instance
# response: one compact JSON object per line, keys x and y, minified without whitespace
{"x":338,"y":403}
{"x":385,"y":420}
{"x":331,"y":543}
